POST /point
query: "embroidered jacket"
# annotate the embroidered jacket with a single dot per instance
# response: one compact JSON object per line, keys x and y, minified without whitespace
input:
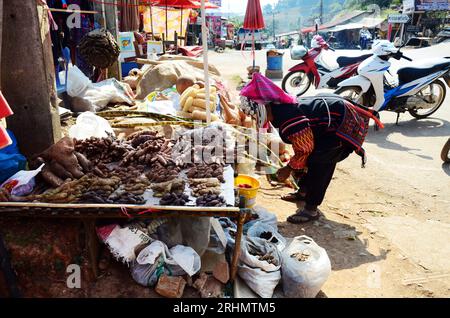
{"x":320,"y":124}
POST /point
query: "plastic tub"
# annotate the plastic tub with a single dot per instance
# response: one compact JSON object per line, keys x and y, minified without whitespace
{"x":275,"y":63}
{"x":251,"y":193}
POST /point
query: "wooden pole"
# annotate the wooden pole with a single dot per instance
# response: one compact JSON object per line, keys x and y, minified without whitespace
{"x":167,"y":29}
{"x":181,"y":25}
{"x":205,"y":62}
{"x":28,"y":76}
{"x":151,"y":22}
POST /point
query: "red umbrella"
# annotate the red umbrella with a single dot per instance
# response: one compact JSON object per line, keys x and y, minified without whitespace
{"x":183,"y":4}
{"x":253,"y":21}
{"x":253,"y":16}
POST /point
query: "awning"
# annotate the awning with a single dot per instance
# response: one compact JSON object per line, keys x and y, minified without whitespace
{"x":369,"y":23}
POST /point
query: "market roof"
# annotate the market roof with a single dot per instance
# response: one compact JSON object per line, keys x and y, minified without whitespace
{"x":369,"y":23}
{"x":337,"y":21}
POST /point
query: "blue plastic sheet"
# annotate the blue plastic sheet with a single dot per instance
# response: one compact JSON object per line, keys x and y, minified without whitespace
{"x":11,"y":160}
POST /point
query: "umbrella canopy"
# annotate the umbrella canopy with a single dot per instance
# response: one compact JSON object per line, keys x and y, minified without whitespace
{"x":253,"y":16}
{"x":185,"y":4}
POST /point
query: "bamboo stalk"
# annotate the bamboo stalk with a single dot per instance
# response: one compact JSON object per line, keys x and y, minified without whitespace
{"x":116,"y":206}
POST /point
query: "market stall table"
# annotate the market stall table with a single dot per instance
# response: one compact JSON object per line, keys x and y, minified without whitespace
{"x":90,"y":213}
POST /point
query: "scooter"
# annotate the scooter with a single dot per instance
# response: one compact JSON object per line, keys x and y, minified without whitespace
{"x":312,"y":69}
{"x":419,"y":90}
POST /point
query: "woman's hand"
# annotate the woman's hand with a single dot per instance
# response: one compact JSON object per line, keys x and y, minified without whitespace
{"x":284,"y":173}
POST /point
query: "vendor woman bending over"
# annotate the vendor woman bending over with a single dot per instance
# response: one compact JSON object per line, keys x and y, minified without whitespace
{"x":323,"y":130}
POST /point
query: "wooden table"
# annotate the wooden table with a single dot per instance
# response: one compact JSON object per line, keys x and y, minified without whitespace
{"x":90,"y":213}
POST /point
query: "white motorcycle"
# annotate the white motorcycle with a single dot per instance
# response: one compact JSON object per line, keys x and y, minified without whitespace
{"x":419,"y":90}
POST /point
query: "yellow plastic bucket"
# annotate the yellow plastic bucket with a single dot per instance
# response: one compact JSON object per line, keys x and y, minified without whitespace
{"x":250,"y":193}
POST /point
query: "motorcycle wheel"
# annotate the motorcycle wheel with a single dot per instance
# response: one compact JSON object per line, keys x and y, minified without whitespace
{"x":296,"y":80}
{"x":352,"y":93}
{"x":445,"y":153}
{"x":441,"y":97}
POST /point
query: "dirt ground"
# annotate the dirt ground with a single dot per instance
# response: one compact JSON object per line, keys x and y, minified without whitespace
{"x":386,"y":228}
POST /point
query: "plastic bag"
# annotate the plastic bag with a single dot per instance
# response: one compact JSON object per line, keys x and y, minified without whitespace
{"x":305,"y":267}
{"x":22,"y":183}
{"x":218,"y":239}
{"x":147,"y":274}
{"x":264,"y":216}
{"x":261,"y":276}
{"x":267,"y":232}
{"x":88,"y":96}
{"x":90,"y":125}
{"x":229,"y":229}
{"x":77,"y":82}
{"x":182,"y":256}
{"x":122,"y":242}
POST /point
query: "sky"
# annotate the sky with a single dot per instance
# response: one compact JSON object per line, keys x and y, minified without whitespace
{"x":238,"y":6}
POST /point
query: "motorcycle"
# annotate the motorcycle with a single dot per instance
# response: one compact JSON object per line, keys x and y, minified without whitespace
{"x":445,"y":153}
{"x":312,"y":69}
{"x":419,"y":89}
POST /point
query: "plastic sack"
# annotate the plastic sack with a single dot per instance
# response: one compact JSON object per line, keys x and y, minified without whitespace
{"x":11,"y":160}
{"x":22,"y":183}
{"x":147,"y":274}
{"x":298,"y":52}
{"x":267,"y":232}
{"x":182,"y":256}
{"x":90,"y":125}
{"x":261,"y":276}
{"x":88,"y":96}
{"x":77,"y":82}
{"x":229,"y":229}
{"x":218,"y":239}
{"x":122,"y":242}
{"x":264,"y":216}
{"x":305,"y":267}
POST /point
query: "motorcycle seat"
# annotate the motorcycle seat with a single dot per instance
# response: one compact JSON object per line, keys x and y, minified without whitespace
{"x":349,"y":60}
{"x":409,"y":74}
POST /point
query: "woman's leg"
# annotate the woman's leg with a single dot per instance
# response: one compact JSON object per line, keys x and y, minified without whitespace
{"x":317,"y":181}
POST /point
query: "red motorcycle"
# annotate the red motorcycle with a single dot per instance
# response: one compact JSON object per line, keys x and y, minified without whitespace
{"x":313,"y":69}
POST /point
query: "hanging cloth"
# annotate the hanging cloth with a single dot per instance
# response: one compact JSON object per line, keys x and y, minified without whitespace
{"x":129,"y":15}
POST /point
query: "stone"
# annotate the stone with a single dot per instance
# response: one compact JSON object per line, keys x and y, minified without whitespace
{"x":188,"y":280}
{"x":170,"y":286}
{"x":212,"y":288}
{"x":209,"y":261}
{"x":200,"y":282}
{"x":222,"y":272}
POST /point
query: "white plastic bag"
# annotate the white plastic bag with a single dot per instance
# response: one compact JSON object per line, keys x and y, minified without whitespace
{"x":95,"y":97}
{"x":147,"y":274}
{"x":267,"y":232}
{"x":261,"y":276}
{"x":77,"y":82}
{"x":305,"y":268}
{"x":122,"y":242}
{"x":218,"y":239}
{"x":183,"y":256}
{"x":264,"y":216}
{"x":90,"y":125}
{"x":22,"y":183}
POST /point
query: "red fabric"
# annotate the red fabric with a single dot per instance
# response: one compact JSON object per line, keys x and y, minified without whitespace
{"x":187,"y":4}
{"x":303,"y":146}
{"x":5,"y":110}
{"x":263,"y":90}
{"x":194,"y":51}
{"x":253,"y":16}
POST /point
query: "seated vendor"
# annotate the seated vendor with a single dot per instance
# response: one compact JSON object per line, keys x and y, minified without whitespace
{"x":323,"y":130}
